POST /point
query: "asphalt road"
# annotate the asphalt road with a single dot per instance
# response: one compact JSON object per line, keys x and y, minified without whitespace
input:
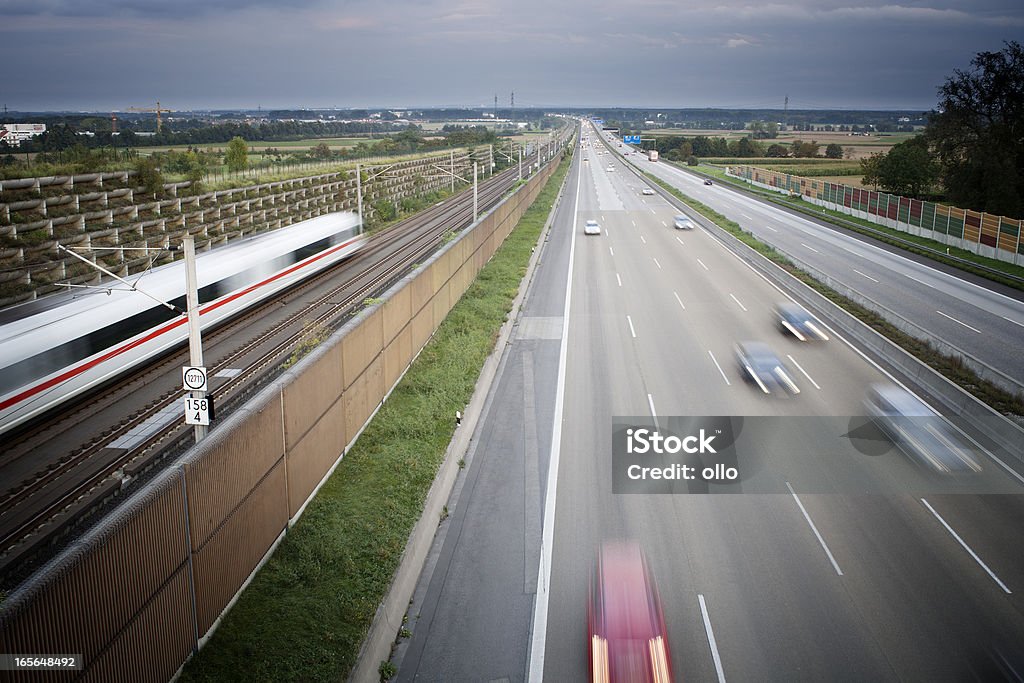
{"x":867,"y":582}
{"x":987,"y":322}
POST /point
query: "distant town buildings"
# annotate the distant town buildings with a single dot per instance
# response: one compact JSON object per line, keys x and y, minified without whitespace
{"x":14,"y":133}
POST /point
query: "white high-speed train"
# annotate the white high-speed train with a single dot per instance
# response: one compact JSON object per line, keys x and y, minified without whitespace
{"x":57,"y":347}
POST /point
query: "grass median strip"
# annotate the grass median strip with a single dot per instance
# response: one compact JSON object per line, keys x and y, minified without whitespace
{"x":923,"y":246}
{"x":306,"y":612}
{"x":951,"y":367}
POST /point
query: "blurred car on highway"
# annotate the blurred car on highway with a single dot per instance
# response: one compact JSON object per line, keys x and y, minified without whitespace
{"x":682,"y":222}
{"x":626,"y":631}
{"x":795,"y":319}
{"x":707,"y":181}
{"x":591,"y":227}
{"x":918,"y":430}
{"x":647,"y":191}
{"x":759,"y":365}
{"x":610,"y":169}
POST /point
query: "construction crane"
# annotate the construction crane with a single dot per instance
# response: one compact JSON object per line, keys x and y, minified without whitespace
{"x":158,"y":110}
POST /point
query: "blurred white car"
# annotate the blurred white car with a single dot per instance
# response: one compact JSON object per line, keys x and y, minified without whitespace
{"x":682,"y":222}
{"x":591,"y":228}
{"x":647,"y":191}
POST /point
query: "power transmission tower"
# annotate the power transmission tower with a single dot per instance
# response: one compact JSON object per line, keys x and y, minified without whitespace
{"x":785,"y":113}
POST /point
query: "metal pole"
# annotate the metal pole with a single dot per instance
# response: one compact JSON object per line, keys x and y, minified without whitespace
{"x":359,"y":194}
{"x":195,"y":342}
{"x":490,"y":159}
{"x":453,"y":170}
{"x":474,"y":192}
{"x":520,"y":163}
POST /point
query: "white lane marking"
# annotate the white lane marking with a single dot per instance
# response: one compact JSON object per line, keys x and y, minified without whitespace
{"x":864,"y":275}
{"x":684,"y":244}
{"x":967,"y":547}
{"x":771,"y":228}
{"x":664,"y":223}
{"x":606,"y":233}
{"x":650,"y":402}
{"x":619,"y":279}
{"x":944,"y":315}
{"x":702,"y":264}
{"x":803,"y":371}
{"x":631,"y":330}
{"x":821,"y":540}
{"x":540,"y":605}
{"x":920,"y":282}
{"x":652,"y":211}
{"x":679,"y":300}
{"x":611,"y":251}
{"x":642,"y":239}
{"x":715,"y":361}
{"x":1015,"y":322}
{"x":746,"y":216}
{"x":738,"y":302}
{"x":711,"y":639}
{"x":807,"y":246}
{"x":634,"y":223}
{"x":657,"y":264}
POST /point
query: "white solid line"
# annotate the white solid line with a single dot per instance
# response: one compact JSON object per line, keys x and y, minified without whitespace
{"x":821,"y":540}
{"x":803,"y":371}
{"x":702,"y":264}
{"x":642,"y":239}
{"x":684,"y":244}
{"x":711,"y":639}
{"x":957,"y":321}
{"x":619,"y":279}
{"x":679,"y":300}
{"x":810,"y":247}
{"x":657,"y":264}
{"x":540,"y":605}
{"x":654,"y":414}
{"x":863,"y":275}
{"x":771,"y":228}
{"x":967,"y":548}
{"x":611,"y":251}
{"x":738,"y":302}
{"x":920,"y":282}
{"x":715,"y":361}
{"x":1015,"y":322}
{"x":631,"y":330}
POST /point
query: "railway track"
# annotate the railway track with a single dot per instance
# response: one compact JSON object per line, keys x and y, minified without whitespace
{"x":39,"y":513}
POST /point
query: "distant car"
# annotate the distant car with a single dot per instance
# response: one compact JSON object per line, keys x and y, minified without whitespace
{"x":647,"y":191}
{"x":682,"y":222}
{"x":586,"y":159}
{"x":627,"y":639}
{"x":759,"y":365}
{"x":591,"y":227}
{"x":610,"y":169}
{"x":795,"y":319}
{"x":918,"y":430}
{"x":707,"y":181}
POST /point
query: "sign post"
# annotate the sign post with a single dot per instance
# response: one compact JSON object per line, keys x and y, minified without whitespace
{"x":195,"y":372}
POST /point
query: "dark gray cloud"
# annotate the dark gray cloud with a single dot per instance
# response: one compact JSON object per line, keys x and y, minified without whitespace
{"x":105,"y":54}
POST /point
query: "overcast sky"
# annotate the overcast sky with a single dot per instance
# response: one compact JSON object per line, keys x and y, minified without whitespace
{"x":193,"y":54}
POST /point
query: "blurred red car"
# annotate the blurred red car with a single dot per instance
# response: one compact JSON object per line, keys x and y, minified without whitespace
{"x":626,"y":628}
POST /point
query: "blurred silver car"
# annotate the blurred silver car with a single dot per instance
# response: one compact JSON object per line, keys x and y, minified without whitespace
{"x":759,"y":364}
{"x":682,"y":222}
{"x":795,"y":319}
{"x":918,"y":430}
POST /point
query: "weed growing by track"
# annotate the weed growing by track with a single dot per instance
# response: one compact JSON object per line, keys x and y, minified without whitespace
{"x":305,"y":614}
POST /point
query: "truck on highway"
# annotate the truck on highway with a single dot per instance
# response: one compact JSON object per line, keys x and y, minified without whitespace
{"x":652,"y":155}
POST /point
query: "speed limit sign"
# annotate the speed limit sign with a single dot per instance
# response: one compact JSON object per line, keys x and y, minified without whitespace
{"x":193,"y":378}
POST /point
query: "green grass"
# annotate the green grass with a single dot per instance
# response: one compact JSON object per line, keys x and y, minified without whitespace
{"x":933,"y":249}
{"x":1000,"y":400}
{"x":307,"y":611}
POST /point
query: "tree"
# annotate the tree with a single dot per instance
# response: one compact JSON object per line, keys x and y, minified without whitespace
{"x":321,"y":151}
{"x":237,"y":156}
{"x":908,"y":169}
{"x":776,"y":151}
{"x":764,"y":129}
{"x":149,"y":175}
{"x":978,"y":133}
{"x":805,"y":149}
{"x":834,"y":151}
